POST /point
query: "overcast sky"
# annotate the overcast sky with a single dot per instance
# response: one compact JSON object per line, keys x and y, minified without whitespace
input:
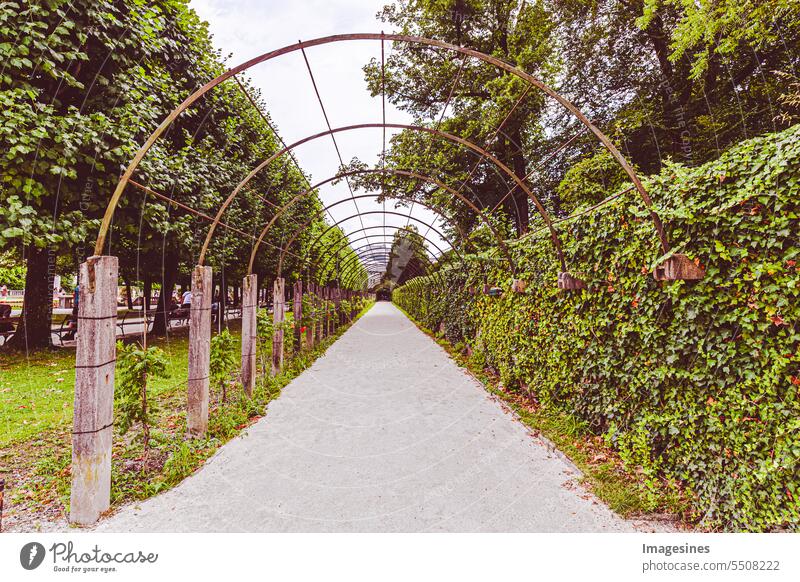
{"x":247,"y":28}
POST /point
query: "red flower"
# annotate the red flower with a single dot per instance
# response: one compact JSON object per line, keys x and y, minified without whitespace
{"x":303,"y":329}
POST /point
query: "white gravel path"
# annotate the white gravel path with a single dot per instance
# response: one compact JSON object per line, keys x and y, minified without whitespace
{"x":385,"y":433}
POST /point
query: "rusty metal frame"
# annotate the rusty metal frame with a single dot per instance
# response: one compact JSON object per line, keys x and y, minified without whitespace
{"x":351,"y":264}
{"x":321,"y":266}
{"x":326,"y":249}
{"x":351,"y":260}
{"x":336,"y":224}
{"x":383,"y":245}
{"x":407,"y":173}
{"x":462,"y":235}
{"x":565,"y":103}
{"x":380,"y":244}
{"x":439,"y":133}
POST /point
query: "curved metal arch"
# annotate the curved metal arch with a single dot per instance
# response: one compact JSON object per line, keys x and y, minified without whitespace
{"x":349,"y":281}
{"x":346,"y":242}
{"x":385,"y":250}
{"x":381,"y":245}
{"x":407,"y":173}
{"x":396,"y":228}
{"x":324,"y":232}
{"x":389,"y":226}
{"x":530,"y":79}
{"x":462,"y":235}
{"x":437,"y":132}
{"x":437,"y":274}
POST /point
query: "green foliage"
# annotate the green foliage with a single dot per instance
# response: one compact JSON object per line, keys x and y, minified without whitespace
{"x":135,"y":366}
{"x":590,"y":180}
{"x":12,"y":277}
{"x":692,"y":382}
{"x":223,"y":359}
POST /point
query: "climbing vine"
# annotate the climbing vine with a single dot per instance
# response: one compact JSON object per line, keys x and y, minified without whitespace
{"x":693,"y":382}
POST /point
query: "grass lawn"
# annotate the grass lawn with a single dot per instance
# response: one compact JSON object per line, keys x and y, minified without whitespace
{"x":36,"y":397}
{"x":36,"y":392}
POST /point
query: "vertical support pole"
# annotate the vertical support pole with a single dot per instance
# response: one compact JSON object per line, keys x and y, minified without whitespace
{"x":298,"y":314}
{"x":199,"y":351}
{"x":310,"y":328}
{"x":326,"y":294}
{"x":278,"y":308}
{"x":95,"y":360}
{"x":249,"y":332}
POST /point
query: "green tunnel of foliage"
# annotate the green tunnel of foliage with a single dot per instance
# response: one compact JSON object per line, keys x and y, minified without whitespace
{"x":695,"y":383}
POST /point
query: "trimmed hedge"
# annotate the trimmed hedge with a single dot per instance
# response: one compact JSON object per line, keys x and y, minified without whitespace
{"x":695,"y":383}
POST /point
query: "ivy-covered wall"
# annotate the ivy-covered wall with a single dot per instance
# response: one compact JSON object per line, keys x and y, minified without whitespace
{"x":694,"y":382}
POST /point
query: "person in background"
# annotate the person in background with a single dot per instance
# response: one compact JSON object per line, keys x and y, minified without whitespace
{"x":186,"y":300}
{"x":3,"y":291}
{"x":73,"y":318}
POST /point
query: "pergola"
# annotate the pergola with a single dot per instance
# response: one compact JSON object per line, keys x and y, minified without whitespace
{"x":95,"y":356}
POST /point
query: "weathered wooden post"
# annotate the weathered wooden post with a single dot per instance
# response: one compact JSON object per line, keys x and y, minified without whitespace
{"x":249,"y":332}
{"x":93,"y":417}
{"x":310,"y":327}
{"x":199,"y":351}
{"x":278,"y":308}
{"x":328,"y":318}
{"x":298,"y":314}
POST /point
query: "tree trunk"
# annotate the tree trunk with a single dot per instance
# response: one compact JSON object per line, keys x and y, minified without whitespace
{"x":128,"y":297}
{"x":148,"y":292}
{"x":34,"y":328}
{"x":160,"y":324}
{"x":520,"y":202}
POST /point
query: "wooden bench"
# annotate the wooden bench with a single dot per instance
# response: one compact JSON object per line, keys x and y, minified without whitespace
{"x":8,"y":325}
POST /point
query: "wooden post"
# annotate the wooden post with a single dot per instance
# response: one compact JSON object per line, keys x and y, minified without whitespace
{"x":93,"y":417}
{"x":679,"y":267}
{"x":328,"y":318}
{"x":298,"y":314}
{"x":199,"y":351}
{"x":278,"y":307}
{"x":310,"y":327}
{"x":249,"y":332}
{"x":323,"y":320}
{"x":570,"y":282}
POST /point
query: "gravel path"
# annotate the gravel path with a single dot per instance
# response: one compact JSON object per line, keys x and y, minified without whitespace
{"x":384,"y":433}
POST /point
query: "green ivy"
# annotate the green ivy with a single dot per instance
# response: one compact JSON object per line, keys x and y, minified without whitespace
{"x":693,"y":382}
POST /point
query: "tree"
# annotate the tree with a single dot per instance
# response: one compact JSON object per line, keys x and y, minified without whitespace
{"x":481,"y":98}
{"x":86,"y":83}
{"x":407,"y":258}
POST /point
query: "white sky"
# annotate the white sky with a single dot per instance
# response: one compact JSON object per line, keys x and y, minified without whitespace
{"x":247,"y":28}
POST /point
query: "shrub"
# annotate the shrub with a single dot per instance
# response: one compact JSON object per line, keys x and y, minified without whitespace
{"x":135,"y":366}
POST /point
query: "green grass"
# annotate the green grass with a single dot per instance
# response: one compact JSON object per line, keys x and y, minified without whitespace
{"x":36,"y":458}
{"x":37,"y":391}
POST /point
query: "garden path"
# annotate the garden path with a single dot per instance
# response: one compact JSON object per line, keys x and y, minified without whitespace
{"x":384,"y":433}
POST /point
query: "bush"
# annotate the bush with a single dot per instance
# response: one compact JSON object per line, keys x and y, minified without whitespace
{"x":223,"y":360}
{"x":135,"y":366}
{"x":693,"y":382}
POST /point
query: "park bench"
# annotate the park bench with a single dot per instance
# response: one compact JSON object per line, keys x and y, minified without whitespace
{"x":8,"y":325}
{"x":175,"y":317}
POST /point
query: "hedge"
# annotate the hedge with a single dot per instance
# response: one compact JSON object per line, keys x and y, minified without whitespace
{"x":695,"y":383}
